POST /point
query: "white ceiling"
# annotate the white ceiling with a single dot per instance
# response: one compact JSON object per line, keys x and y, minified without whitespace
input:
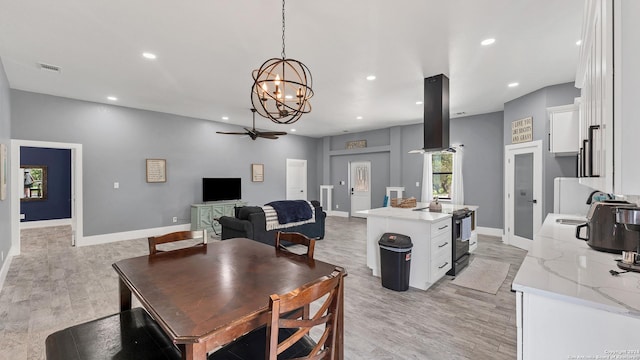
{"x":207,"y":50}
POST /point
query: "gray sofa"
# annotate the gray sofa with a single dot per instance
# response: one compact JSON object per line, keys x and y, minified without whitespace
{"x":250,"y":222}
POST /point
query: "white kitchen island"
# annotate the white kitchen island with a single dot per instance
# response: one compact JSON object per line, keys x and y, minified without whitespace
{"x":568,"y":304}
{"x":430,"y":233}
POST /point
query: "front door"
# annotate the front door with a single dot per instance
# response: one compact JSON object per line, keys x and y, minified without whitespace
{"x":296,"y":179}
{"x":523,"y":192}
{"x":360,"y":185}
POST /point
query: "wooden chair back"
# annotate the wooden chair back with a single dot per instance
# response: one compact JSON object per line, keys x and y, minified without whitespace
{"x":327,"y":290}
{"x":296,"y":238}
{"x":174,"y":237}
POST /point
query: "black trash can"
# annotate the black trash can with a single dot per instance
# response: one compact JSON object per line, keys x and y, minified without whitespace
{"x":395,"y":261}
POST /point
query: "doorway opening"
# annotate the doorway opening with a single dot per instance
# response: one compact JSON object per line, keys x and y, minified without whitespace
{"x":17,"y":189}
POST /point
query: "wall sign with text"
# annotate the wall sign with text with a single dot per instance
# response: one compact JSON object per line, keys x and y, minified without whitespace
{"x":522,"y":130}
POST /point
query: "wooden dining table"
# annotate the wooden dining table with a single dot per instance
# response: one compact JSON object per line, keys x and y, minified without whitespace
{"x":206,"y":296}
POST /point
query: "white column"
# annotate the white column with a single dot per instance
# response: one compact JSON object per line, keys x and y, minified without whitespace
{"x":329,"y":189}
{"x":398,"y":189}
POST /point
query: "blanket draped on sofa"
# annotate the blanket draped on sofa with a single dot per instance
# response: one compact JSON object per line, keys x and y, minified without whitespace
{"x":288,"y":213}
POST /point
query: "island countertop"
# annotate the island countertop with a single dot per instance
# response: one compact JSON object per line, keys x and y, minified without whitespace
{"x":565,"y":268}
{"x":420,"y":212}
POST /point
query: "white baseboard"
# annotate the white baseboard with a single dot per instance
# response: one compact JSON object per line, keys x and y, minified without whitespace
{"x":338,"y":213}
{"x":44,"y":223}
{"x":489,"y":231}
{"x":130,"y":235}
{"x":5,"y":269}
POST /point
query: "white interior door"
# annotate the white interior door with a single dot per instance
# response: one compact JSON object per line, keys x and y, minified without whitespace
{"x":360,"y":185}
{"x":296,"y":179}
{"x":523,"y":193}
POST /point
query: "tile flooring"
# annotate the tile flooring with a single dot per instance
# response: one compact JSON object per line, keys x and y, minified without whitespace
{"x":52,"y":286}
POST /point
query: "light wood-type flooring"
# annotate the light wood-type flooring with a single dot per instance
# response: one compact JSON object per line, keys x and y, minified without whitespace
{"x":53,"y":285}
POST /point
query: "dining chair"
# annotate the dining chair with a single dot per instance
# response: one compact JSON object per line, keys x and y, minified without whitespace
{"x":174,"y":237}
{"x":287,"y":338}
{"x":295,"y":238}
{"x":131,"y":334}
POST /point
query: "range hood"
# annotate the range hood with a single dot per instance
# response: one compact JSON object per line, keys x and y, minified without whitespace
{"x":436,"y":114}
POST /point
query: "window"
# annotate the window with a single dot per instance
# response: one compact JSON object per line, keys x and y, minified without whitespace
{"x":442,"y":174}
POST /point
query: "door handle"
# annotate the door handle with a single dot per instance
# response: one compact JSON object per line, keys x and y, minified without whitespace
{"x":591,"y":129}
{"x":533,"y":201}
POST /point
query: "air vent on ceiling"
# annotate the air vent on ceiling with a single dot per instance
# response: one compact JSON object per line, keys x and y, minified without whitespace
{"x":460,"y":113}
{"x":49,"y":67}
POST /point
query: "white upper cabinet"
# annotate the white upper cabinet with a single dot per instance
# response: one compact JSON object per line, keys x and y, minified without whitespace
{"x":608,"y":124}
{"x":564,"y":130}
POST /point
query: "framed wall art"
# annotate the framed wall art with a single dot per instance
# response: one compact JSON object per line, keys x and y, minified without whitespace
{"x":156,"y":170}
{"x":257,"y":172}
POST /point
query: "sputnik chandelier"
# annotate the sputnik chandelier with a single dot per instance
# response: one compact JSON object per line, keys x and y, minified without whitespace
{"x":282,"y":87}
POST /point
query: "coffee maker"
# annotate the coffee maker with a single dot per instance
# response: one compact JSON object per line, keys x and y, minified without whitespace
{"x":629,"y":217}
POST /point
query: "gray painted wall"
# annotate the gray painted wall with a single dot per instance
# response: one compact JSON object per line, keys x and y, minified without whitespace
{"x":117,"y":140}
{"x":535,"y":104}
{"x":482,"y":164}
{"x":338,"y":158}
{"x":482,"y":136}
{"x":5,"y":135}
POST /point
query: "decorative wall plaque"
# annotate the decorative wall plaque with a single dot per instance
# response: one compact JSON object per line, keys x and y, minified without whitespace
{"x":522,"y":130}
{"x":156,"y":170}
{"x":357,"y":144}
{"x":257,"y":172}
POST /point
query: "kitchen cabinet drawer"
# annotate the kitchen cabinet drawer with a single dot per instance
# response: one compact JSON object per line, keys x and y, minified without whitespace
{"x":440,"y":244}
{"x":440,"y":266}
{"x":440,"y":227}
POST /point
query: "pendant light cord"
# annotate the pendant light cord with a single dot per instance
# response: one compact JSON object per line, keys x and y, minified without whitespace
{"x":284,"y":56}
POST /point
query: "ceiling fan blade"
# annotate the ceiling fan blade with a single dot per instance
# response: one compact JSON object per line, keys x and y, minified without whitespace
{"x":276,"y":133}
{"x":231,"y":133}
{"x":267,"y":136}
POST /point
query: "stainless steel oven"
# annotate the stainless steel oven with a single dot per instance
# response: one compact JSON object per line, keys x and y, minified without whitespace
{"x":461,"y":228}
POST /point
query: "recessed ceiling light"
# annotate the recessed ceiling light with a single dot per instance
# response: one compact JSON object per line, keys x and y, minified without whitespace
{"x":513,"y":84}
{"x":112,"y":98}
{"x":579,"y":42}
{"x":419,"y":102}
{"x":486,"y":42}
{"x":149,"y":55}
{"x":225,"y":118}
{"x":359,"y":117}
{"x":293,"y":130}
{"x":371,"y":77}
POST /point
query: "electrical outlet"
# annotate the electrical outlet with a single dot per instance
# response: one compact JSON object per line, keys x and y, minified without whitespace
{"x":417,"y":183}
{"x":175,"y":219}
{"x":116,"y":185}
{"x":337,"y":206}
{"x":22,"y":217}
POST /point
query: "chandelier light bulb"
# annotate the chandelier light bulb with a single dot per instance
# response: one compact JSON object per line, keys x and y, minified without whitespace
{"x":277,"y":82}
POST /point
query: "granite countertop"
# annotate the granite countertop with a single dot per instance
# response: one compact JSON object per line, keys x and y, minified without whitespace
{"x":413,"y":214}
{"x":565,"y":268}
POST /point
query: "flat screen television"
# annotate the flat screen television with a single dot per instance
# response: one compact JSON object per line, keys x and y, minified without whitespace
{"x":216,"y":189}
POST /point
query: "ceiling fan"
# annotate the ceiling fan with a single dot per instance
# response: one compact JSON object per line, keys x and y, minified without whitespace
{"x":253,"y":133}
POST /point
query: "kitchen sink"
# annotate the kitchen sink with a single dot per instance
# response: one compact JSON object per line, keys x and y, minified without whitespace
{"x":570,"y":221}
